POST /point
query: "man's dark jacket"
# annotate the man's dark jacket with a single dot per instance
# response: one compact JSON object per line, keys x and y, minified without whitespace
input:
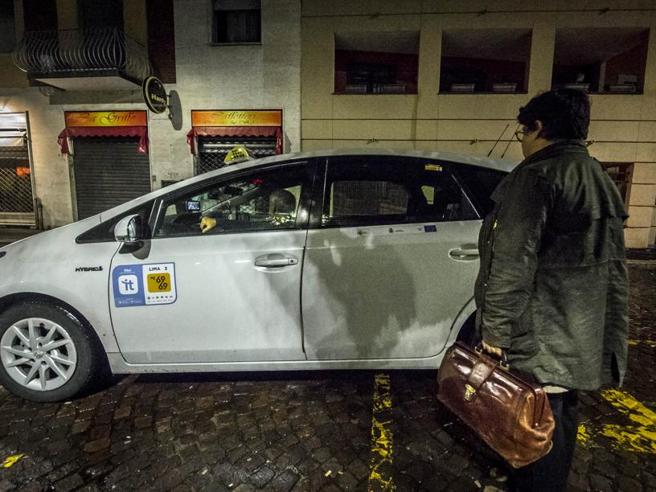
{"x":552,"y":289}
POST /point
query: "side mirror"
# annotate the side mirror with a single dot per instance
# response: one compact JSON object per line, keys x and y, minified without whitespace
{"x":130,"y":230}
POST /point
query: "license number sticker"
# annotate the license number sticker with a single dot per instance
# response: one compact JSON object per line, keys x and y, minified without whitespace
{"x":159,"y":282}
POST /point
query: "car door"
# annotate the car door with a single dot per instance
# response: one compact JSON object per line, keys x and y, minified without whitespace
{"x":392,"y":262}
{"x":230,"y":293}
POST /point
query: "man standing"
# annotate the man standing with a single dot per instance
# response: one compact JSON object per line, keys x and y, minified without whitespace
{"x":552,"y":291}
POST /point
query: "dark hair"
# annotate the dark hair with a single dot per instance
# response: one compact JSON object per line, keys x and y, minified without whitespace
{"x":564,"y":113}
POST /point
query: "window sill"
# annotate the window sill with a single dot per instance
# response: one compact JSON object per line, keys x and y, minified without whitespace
{"x":591,"y":93}
{"x":448,"y":93}
{"x":249,"y":43}
{"x":374,"y":93}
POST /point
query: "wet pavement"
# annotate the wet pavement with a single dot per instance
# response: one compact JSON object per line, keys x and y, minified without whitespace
{"x":332,"y":431}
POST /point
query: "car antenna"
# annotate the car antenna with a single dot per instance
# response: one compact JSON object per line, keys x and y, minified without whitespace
{"x":498,"y":139}
{"x":509,"y":142}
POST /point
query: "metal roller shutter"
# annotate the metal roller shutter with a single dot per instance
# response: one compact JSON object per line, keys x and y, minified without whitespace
{"x":15,"y":185}
{"x":212,"y":150}
{"x":16,"y":198}
{"x":108,"y":172}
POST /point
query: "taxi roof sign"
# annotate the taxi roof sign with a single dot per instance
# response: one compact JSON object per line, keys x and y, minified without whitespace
{"x":237,"y":154}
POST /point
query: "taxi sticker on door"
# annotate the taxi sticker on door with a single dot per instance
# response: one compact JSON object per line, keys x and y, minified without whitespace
{"x":144,"y":285}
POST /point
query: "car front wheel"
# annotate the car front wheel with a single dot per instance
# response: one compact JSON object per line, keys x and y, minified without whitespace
{"x":46,"y":353}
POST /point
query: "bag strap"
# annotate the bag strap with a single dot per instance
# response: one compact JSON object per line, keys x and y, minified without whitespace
{"x":480,"y":372}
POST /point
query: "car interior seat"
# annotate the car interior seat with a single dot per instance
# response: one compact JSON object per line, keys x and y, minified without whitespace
{"x":447,"y":204}
{"x":282,"y":202}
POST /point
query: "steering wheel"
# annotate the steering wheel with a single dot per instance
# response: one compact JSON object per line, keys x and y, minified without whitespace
{"x":188,"y":219}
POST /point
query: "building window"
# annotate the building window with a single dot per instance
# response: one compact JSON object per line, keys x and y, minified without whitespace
{"x":95,"y":14}
{"x":7,"y":26}
{"x":40,"y":15}
{"x":161,"y":39}
{"x":236,"y":21}
{"x":620,"y":173}
{"x":610,"y":60}
{"x":485,"y":60}
{"x":376,"y":62}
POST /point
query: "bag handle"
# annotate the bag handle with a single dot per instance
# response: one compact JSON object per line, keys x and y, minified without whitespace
{"x":501,"y":360}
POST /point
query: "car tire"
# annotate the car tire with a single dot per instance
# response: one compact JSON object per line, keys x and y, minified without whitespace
{"x":46,"y":353}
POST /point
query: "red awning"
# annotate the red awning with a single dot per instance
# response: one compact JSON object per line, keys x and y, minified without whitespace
{"x":234,"y":131}
{"x":104,"y":131}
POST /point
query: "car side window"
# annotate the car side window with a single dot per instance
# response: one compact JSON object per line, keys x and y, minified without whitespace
{"x":389,"y":190}
{"x":261,"y":200}
{"x":481,"y":183}
{"x":104,"y":232}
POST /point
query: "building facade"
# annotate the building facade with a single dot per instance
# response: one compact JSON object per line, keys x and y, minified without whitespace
{"x":450,"y":76}
{"x":285,"y":75}
{"x":71,"y":74}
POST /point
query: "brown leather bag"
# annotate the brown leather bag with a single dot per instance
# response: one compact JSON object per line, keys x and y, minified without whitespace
{"x":511,"y":415}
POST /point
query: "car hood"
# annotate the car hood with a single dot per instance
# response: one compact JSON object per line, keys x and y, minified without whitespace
{"x":50,"y":244}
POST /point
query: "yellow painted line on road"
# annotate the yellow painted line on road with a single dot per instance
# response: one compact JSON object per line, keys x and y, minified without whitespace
{"x":583,"y":436}
{"x":382,"y":438}
{"x":11,"y":460}
{"x":649,"y":343}
{"x":641,"y":436}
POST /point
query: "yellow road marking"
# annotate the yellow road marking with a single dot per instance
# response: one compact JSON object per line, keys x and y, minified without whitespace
{"x":649,"y":343}
{"x":583,"y":435}
{"x":641,"y":436}
{"x":12,"y":460}
{"x":382,"y":438}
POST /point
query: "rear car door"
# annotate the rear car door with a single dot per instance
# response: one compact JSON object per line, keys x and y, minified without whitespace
{"x":392,"y":262}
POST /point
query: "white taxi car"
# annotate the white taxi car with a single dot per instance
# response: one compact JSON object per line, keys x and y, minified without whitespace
{"x":337,"y":260}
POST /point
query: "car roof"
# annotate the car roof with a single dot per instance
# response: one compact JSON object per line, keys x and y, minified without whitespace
{"x":472,"y":160}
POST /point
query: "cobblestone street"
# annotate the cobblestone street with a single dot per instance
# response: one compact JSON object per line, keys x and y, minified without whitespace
{"x":310,"y":430}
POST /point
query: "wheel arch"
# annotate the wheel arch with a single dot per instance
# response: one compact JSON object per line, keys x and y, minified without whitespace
{"x":464,"y":327}
{"x":34,"y":297}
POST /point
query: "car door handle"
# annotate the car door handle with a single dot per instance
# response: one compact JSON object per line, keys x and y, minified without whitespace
{"x":464,"y":253}
{"x":275,"y":260}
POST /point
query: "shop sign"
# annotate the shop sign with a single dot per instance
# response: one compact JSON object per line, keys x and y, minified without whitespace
{"x":154,"y":94}
{"x":105,"y":118}
{"x":237,"y":118}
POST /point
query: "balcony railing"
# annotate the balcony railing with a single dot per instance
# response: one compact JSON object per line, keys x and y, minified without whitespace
{"x":81,"y":52}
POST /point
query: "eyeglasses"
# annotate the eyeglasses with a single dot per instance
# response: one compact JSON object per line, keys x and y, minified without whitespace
{"x":520,"y":134}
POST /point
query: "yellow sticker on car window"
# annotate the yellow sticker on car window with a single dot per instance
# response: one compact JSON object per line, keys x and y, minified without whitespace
{"x":433,"y":167}
{"x":159,"y":282}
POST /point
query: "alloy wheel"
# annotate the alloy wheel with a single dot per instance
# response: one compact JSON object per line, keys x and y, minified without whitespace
{"x":38,"y":354}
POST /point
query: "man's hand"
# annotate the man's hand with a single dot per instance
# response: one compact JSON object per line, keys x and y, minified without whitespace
{"x":207,"y":224}
{"x":491,"y":349}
